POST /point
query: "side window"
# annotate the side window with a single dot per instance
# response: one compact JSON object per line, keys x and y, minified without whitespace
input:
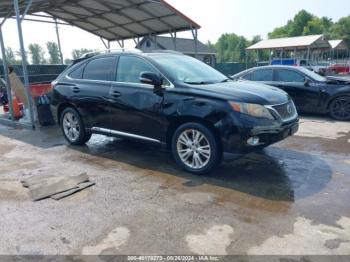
{"x":100,"y":69}
{"x":289,"y":76}
{"x":247,"y":76}
{"x":77,"y":73}
{"x":130,"y":68}
{"x":261,"y":75}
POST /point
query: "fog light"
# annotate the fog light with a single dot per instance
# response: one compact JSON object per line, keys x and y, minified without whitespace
{"x":253,"y":141}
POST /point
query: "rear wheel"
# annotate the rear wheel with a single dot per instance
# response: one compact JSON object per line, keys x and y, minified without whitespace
{"x":339,"y":108}
{"x":73,"y":127}
{"x":195,"y":148}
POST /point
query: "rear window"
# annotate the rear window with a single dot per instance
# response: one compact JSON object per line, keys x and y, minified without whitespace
{"x":77,"y":73}
{"x":261,"y":75}
{"x":100,"y":69}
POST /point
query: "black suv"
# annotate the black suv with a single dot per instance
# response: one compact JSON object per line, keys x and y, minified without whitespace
{"x":172,"y":100}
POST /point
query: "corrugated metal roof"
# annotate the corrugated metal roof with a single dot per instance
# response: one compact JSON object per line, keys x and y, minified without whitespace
{"x":312,"y":41}
{"x":111,"y":19}
{"x":338,"y":44}
{"x":183,"y":45}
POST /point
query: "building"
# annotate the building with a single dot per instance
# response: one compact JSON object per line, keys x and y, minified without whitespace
{"x":183,"y":45}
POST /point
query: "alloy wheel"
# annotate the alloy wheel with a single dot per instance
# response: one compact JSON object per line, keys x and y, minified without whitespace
{"x":341,"y":108}
{"x":71,"y":126}
{"x":193,"y":149}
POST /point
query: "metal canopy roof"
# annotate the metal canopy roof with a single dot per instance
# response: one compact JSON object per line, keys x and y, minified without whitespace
{"x":291,"y":43}
{"x":111,"y":19}
{"x":338,"y":44}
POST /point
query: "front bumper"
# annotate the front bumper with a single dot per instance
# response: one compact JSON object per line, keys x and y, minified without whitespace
{"x":237,"y":142}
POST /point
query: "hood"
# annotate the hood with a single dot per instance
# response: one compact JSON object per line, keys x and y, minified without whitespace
{"x":338,"y":80}
{"x":244,"y":91}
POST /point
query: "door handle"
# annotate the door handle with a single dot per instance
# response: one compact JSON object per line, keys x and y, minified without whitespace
{"x":76,"y":89}
{"x":115,"y":93}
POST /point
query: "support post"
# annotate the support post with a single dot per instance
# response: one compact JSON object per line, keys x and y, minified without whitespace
{"x":24,"y":61}
{"x":6,"y":73}
{"x":59,"y":41}
{"x":173,"y":37}
{"x":195,"y":38}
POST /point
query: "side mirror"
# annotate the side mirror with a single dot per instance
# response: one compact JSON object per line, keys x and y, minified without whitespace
{"x":307,"y":82}
{"x":150,"y":78}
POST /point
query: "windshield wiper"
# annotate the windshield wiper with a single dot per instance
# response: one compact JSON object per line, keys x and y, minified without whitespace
{"x":226,"y":80}
{"x":199,"y":83}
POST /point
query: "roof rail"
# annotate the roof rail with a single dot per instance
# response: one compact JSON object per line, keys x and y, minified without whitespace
{"x":106,"y":51}
{"x":164,"y":51}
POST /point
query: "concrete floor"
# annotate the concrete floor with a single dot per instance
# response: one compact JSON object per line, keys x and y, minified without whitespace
{"x":291,"y":199}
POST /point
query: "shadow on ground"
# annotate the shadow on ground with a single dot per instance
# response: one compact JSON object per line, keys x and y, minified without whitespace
{"x":275,"y":174}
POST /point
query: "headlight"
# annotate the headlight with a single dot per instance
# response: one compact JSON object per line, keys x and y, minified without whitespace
{"x":254,"y":110}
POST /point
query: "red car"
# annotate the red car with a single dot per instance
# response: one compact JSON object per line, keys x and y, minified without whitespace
{"x":339,"y":69}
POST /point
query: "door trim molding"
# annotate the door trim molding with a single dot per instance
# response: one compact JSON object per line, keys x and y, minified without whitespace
{"x":124,"y":134}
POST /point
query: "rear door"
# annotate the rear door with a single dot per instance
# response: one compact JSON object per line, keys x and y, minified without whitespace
{"x":91,"y":92}
{"x":264,"y":75}
{"x":305,"y":96}
{"x":136,"y":110}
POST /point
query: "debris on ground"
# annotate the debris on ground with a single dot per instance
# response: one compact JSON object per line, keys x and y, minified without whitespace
{"x":56,"y":187}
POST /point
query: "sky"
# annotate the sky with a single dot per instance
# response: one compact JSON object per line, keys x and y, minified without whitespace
{"x":242,"y":17}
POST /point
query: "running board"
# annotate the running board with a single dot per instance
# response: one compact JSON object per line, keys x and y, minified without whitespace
{"x":123,"y":134}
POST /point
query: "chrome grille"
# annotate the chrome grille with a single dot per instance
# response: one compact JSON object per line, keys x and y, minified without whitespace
{"x":286,"y":111}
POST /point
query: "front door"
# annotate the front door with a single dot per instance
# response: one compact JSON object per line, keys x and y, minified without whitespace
{"x":305,"y":95}
{"x":136,"y":109}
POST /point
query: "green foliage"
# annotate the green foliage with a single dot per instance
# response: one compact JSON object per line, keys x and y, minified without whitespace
{"x":10,"y":57}
{"x":54,"y":53}
{"x":341,"y":30}
{"x":37,"y":54}
{"x":305,"y":23}
{"x":77,"y":53}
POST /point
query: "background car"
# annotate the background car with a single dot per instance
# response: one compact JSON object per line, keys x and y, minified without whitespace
{"x":310,"y":91}
{"x":174,"y":101}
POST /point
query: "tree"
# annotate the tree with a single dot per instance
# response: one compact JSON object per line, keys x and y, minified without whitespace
{"x":318,"y":26}
{"x":341,"y":30}
{"x":37,"y":54}
{"x":78,"y":53}
{"x":54,"y":53}
{"x":67,"y":61}
{"x":10,"y":57}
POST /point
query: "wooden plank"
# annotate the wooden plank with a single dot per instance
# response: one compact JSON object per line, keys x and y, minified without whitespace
{"x":39,"y":192}
{"x":80,"y":187}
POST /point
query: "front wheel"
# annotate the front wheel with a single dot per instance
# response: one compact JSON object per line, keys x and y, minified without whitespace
{"x":73,"y":127}
{"x":339,"y":108}
{"x":195,"y":148}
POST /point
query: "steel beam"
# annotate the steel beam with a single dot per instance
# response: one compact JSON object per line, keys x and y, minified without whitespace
{"x":6,"y":73}
{"x":24,"y":60}
{"x":59,"y":41}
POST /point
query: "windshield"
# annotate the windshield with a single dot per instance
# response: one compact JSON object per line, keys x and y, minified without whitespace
{"x":313,"y":75}
{"x":189,"y":70}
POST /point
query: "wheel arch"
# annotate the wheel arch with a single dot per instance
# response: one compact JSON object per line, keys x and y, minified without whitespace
{"x":331,"y":99}
{"x":178,"y":121}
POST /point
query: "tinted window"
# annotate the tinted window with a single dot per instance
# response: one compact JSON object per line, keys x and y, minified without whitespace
{"x":247,"y":76}
{"x":289,"y":76}
{"x":261,"y":75}
{"x":130,"y":68}
{"x":100,"y":69}
{"x":187,"y":69}
{"x":77,"y":73}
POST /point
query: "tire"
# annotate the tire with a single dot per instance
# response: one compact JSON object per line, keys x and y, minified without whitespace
{"x":73,"y":127}
{"x":339,"y":108}
{"x":200,"y":155}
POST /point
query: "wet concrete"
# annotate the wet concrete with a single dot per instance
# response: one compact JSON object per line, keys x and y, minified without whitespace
{"x":291,"y":198}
